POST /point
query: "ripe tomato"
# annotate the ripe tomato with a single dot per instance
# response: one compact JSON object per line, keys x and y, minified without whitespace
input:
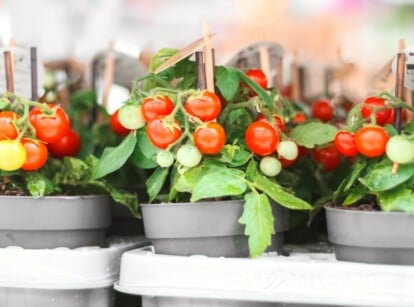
{"x":261,"y":138}
{"x":370,"y":104}
{"x":300,"y":117}
{"x":390,"y":119}
{"x":12,"y":155}
{"x":345,"y":143}
{"x":322,"y":110}
{"x":279,"y":124}
{"x":50,"y":128}
{"x":161,"y":134}
{"x":258,"y":76}
{"x":328,"y":156}
{"x":206,"y":106}
{"x":117,"y":126}
{"x":37,"y":154}
{"x":286,"y":163}
{"x":7,"y":129}
{"x":69,"y":145}
{"x":371,"y":141}
{"x":210,"y":139}
{"x":152,"y":107}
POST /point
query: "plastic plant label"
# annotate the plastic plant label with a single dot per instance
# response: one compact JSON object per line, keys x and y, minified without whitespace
{"x":408,"y":68}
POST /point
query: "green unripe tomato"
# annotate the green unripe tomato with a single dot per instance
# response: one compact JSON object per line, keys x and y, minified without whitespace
{"x":130,"y":116}
{"x":165,"y":158}
{"x":288,"y":150}
{"x":400,"y":149}
{"x":188,"y":155}
{"x":270,"y":166}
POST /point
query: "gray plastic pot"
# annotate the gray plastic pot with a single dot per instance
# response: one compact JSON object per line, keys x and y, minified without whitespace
{"x":54,"y":221}
{"x":204,"y":228}
{"x":25,"y":297}
{"x":371,"y":236}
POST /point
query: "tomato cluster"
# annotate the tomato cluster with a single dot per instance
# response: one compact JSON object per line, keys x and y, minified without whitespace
{"x":26,"y":143}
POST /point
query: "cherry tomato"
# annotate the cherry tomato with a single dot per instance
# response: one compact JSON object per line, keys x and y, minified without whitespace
{"x":162,"y":134}
{"x":390,"y":119}
{"x":50,"y":128}
{"x":288,"y":150}
{"x":258,"y":76}
{"x":370,"y":104}
{"x":371,"y":141}
{"x":69,"y":145}
{"x":286,"y":91}
{"x":117,"y":126}
{"x":328,"y":156}
{"x":206,"y":106}
{"x":300,"y":117}
{"x":12,"y":155}
{"x":152,"y":107}
{"x":279,"y":124}
{"x":270,"y":166}
{"x":261,"y":138}
{"x":7,"y":129}
{"x":188,"y":155}
{"x":37,"y":154}
{"x":210,"y":139}
{"x":286,"y":163}
{"x":400,"y":149}
{"x":345,"y":143}
{"x":165,"y":158}
{"x":131,"y":117}
{"x":322,"y":110}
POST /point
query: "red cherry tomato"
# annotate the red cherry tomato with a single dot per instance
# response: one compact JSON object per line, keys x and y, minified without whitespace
{"x":69,"y":145}
{"x":261,"y":138}
{"x":37,"y":154}
{"x":50,"y":128}
{"x":286,"y":163}
{"x":152,"y":107}
{"x":279,"y":124}
{"x":210,"y":139}
{"x":161,"y":134}
{"x":7,"y":129}
{"x":206,"y":106}
{"x":322,"y":110}
{"x":117,"y":126}
{"x":328,"y":156}
{"x":345,"y":143}
{"x":300,"y":117}
{"x":371,"y":141}
{"x":258,"y":76}
{"x":370,"y":104}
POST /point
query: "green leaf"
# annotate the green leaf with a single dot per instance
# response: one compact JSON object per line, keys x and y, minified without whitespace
{"x":76,"y":168}
{"x":234,"y":155}
{"x":155,"y":182}
{"x":399,"y":199}
{"x":279,"y":195}
{"x":174,"y":176}
{"x":187,"y":181}
{"x":3,"y":103}
{"x":381,"y":179}
{"x":409,"y":129}
{"x":355,"y":194}
{"x":313,"y":134}
{"x":259,"y":91}
{"x":144,"y":152}
{"x":160,"y":57}
{"x":222,"y":182}
{"x":390,"y":130}
{"x":38,"y":185}
{"x":227,"y":80}
{"x":113,"y":158}
{"x":350,"y":180}
{"x":258,"y":218}
{"x":252,"y":170}
{"x":129,"y":200}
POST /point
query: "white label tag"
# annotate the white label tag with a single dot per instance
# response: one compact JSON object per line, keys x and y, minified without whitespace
{"x":408,"y":68}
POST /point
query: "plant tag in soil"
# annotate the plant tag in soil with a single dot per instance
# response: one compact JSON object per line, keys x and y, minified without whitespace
{"x":409,"y":67}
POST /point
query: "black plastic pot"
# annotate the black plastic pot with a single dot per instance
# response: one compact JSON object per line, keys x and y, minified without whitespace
{"x":371,"y":236}
{"x":54,"y":221}
{"x":204,"y":228}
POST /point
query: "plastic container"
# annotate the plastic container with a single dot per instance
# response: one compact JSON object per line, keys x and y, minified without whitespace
{"x":303,"y":279}
{"x":54,"y":221}
{"x":81,"y":277}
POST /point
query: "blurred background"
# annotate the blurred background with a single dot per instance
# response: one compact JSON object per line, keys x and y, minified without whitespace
{"x":361,"y":35}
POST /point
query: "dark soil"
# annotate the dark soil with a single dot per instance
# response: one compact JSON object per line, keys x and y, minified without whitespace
{"x":7,"y":189}
{"x":360,"y":207}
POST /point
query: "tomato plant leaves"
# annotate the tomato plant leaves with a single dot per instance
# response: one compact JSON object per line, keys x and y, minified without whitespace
{"x":156,"y":181}
{"x":259,"y":91}
{"x":355,"y":194}
{"x":279,"y":195}
{"x":227,"y":80}
{"x":258,"y":218}
{"x":39,"y":185}
{"x":313,"y":134}
{"x":398,"y":199}
{"x":144,"y":152}
{"x":113,"y":158}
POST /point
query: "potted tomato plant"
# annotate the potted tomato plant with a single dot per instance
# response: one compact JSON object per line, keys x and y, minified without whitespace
{"x":48,"y":198}
{"x":213,"y":161}
{"x":370,"y":216}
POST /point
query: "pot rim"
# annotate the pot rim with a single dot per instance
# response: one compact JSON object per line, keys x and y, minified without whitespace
{"x":54,"y":196}
{"x":197,"y":203}
{"x":348,"y":211}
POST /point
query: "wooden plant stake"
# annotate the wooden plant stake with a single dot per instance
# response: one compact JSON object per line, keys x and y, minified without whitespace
{"x":208,"y":60}
{"x":9,"y":71}
{"x":33,"y":73}
{"x":108,"y":74}
{"x":399,"y":93}
{"x":296,"y":95}
{"x":279,"y":73}
{"x":264,"y":60}
{"x":201,"y":76}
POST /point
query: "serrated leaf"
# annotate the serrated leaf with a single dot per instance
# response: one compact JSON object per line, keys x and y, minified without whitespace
{"x":259,"y":91}
{"x":144,"y":152}
{"x":113,"y":158}
{"x":380,"y":178}
{"x":227,"y":80}
{"x":38,"y":185}
{"x":155,"y":182}
{"x":129,"y":200}
{"x":279,"y":195}
{"x":76,"y":168}
{"x":313,"y":134}
{"x":258,"y":218}
{"x":187,"y":181}
{"x":355,"y":194}
{"x":222,"y":182}
{"x":399,"y":199}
